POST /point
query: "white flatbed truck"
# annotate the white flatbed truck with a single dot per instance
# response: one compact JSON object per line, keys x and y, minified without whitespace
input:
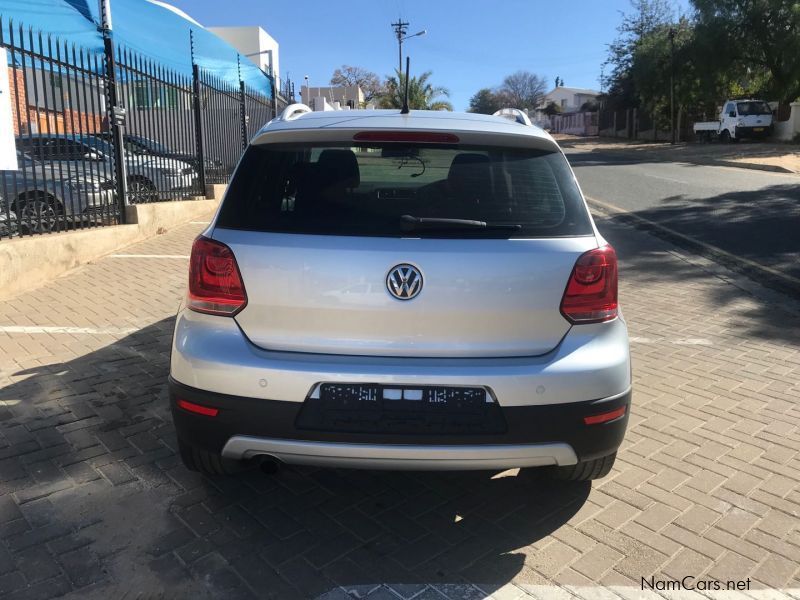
{"x":738,"y":119}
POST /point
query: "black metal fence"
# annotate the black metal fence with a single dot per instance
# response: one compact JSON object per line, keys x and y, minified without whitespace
{"x":81,"y":159}
{"x":63,"y":179}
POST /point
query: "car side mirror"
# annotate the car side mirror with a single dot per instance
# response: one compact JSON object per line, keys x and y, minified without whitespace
{"x":732,"y":113}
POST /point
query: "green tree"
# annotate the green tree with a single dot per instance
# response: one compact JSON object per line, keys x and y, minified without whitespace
{"x":422,"y":94}
{"x":485,"y":101}
{"x":652,"y":63}
{"x":760,"y":35}
{"x":646,"y":17}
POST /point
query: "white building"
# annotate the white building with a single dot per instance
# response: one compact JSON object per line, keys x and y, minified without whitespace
{"x":570,"y":99}
{"x":254,"y":43}
{"x":345,"y":95}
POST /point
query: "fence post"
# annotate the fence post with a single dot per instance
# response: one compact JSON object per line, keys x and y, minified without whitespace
{"x":198,"y":127}
{"x":243,"y":113}
{"x":114,"y":125}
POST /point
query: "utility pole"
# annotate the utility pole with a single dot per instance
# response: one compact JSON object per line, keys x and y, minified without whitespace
{"x":672,"y":83}
{"x":400,"y":29}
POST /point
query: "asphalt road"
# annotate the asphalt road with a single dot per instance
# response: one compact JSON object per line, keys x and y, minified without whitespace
{"x":749,"y":214}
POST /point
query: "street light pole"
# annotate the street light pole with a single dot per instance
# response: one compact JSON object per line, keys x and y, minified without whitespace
{"x":672,"y":84}
{"x":400,"y":29}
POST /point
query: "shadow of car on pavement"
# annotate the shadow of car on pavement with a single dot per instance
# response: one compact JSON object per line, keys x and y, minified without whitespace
{"x":97,"y":431}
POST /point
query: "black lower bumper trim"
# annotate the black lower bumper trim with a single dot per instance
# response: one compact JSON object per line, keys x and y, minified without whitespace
{"x":277,"y":419}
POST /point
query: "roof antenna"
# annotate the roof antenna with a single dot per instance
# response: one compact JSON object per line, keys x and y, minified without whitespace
{"x":404,"y":110}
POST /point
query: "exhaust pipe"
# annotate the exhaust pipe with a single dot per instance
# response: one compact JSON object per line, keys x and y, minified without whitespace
{"x":270,"y":465}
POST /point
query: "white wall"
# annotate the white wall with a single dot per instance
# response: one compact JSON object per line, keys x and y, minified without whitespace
{"x":249,"y":40}
{"x":787,"y":130}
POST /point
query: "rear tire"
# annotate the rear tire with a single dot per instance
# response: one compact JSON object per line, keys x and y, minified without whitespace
{"x":208,"y":463}
{"x":585,"y":471}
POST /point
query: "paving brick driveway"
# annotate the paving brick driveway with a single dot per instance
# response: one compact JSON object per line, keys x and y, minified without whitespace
{"x":94,"y":501}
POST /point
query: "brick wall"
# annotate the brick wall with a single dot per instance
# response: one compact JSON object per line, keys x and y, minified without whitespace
{"x":46,"y":121}
{"x":17,"y":89}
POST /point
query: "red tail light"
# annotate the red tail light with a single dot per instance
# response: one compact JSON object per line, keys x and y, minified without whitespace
{"x":215,"y":284}
{"x":591,"y":294}
{"x":208,"y":411}
{"x":606,"y":417}
{"x":429,"y":137}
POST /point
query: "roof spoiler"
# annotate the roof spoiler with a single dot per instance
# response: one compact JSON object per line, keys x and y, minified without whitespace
{"x":514,"y":114}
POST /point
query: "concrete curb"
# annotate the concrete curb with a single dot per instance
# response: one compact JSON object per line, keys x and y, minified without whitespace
{"x":31,"y":261}
{"x":744,"y":165}
{"x":759,"y":273}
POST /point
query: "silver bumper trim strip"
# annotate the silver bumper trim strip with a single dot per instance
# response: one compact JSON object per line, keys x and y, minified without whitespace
{"x":401,"y":456}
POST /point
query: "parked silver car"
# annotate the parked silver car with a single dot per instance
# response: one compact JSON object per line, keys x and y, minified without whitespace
{"x":40,"y":195}
{"x":149,"y":178}
{"x":420,"y":291}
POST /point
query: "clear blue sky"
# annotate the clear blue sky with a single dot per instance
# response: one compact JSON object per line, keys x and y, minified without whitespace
{"x":469,"y":44}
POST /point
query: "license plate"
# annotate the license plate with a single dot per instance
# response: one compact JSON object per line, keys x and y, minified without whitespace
{"x":401,"y":409}
{"x":758,"y":129}
{"x":359,"y":396}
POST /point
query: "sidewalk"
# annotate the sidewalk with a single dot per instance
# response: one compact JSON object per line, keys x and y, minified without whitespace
{"x":94,"y":501}
{"x":766,"y":156}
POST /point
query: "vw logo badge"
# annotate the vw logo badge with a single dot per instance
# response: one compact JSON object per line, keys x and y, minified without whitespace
{"x":404,"y":282}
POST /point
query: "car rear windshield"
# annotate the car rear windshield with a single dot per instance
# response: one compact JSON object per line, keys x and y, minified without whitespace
{"x":377,"y":190}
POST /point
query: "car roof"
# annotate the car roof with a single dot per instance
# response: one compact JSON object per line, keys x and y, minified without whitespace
{"x":469,"y":125}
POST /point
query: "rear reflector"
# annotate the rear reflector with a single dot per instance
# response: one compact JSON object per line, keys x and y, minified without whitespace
{"x":427,"y":137}
{"x":605,"y":417}
{"x":208,"y":411}
{"x":591,"y":294}
{"x":215,"y":284}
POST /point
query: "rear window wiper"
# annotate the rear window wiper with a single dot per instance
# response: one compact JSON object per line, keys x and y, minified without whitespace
{"x":412,"y":223}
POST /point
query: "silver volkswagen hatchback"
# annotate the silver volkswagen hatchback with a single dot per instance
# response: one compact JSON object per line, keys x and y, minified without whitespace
{"x":402,"y":291}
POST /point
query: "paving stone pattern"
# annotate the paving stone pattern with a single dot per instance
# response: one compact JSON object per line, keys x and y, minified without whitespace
{"x":94,"y":501}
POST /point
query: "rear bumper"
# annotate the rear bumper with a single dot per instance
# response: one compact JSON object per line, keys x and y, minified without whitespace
{"x":260,"y":394}
{"x":536,"y":435}
{"x":211,"y":353}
